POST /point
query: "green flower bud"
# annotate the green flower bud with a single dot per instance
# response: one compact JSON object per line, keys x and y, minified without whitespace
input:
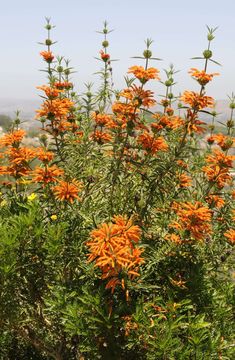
{"x":105,"y":43}
{"x":211,"y":127}
{"x":147,"y":54}
{"x":66,"y":71}
{"x":169,"y":82}
{"x":170,"y":96}
{"x":230,"y":124}
{"x":48,"y":27}
{"x":89,"y":94}
{"x":207,"y":54}
{"x":73,"y":93}
{"x":214,"y":113}
{"x":227,"y":145}
{"x":232,"y":105}
{"x":210,"y":37}
{"x":48,"y":42}
{"x":17,"y":121}
{"x":60,"y":69}
{"x":105,"y":31}
{"x":43,"y":139}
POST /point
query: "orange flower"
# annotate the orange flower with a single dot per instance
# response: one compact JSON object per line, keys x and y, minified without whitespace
{"x":47,"y":56}
{"x":105,"y":57}
{"x":44,"y":155}
{"x":185,"y":180}
{"x":152,"y":144}
{"x":193,"y":124}
{"x":55,"y":109}
{"x":174,"y":238}
{"x":194,"y":218}
{"x":201,"y":76}
{"x":219,"y":176}
{"x":215,"y":201}
{"x":124,"y":109}
{"x":197,"y":101}
{"x":63,"y":85}
{"x":218,"y":168}
{"x":101,"y":137}
{"x":139,"y":97}
{"x":47,"y":174}
{"x":50,"y":92}
{"x":20,"y":155}
{"x":164,"y":121}
{"x":182,"y":164}
{"x":101,"y":119}
{"x":233,"y":214}
{"x":13,"y":138}
{"x":113,"y":248}
{"x":225,"y":142}
{"x":3,"y":170}
{"x":220,"y":159}
{"x":144,"y":75}
{"x":230,"y":234}
{"x":67,"y":190}
{"x":15,"y":170}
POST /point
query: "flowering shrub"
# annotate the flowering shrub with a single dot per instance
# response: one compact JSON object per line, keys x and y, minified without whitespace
{"x":117,"y":231}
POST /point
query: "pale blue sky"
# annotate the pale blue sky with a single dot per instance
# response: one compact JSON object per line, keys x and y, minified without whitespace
{"x":178,"y":29}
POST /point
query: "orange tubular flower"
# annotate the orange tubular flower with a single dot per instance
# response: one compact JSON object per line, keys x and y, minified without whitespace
{"x":139,"y":97}
{"x":152,"y":144}
{"x":164,"y":121}
{"x":67,"y":190}
{"x":230,"y":235}
{"x":197,"y":101}
{"x":185,"y":180}
{"x":217,"y":170}
{"x":50,"y":92}
{"x":194,"y":218}
{"x":105,"y":57}
{"x":173,"y":238}
{"x":63,"y":85}
{"x":215,"y":201}
{"x":225,"y":142}
{"x":113,"y":248}
{"x":3,"y":170}
{"x":47,"y":56}
{"x":57,"y":108}
{"x":44,"y":156}
{"x":102,"y":119}
{"x":101,"y":137}
{"x":46,"y":175}
{"x":13,"y":138}
{"x":201,"y":76}
{"x":144,"y":75}
{"x":21,"y":155}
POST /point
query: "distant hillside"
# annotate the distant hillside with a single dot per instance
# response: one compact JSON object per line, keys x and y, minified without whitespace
{"x":27,"y":108}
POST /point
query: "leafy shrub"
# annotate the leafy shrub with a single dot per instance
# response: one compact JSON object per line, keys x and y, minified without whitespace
{"x":116,"y":239}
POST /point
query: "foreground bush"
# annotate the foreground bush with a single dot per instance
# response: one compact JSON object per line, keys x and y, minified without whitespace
{"x":116,"y":233}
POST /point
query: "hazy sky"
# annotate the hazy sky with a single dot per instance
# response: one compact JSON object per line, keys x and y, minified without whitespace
{"x":178,"y":29}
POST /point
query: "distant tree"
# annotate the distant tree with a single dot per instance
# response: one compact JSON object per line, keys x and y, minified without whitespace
{"x":5,"y":121}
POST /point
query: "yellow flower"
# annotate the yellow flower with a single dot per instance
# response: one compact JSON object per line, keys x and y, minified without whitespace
{"x":3,"y":203}
{"x":53,"y":217}
{"x":32,"y":197}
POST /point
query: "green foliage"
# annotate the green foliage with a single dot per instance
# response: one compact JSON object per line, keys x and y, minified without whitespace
{"x":165,"y":293}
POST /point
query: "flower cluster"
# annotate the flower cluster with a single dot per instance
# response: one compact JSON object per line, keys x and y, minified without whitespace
{"x":217,"y":168}
{"x":193,"y":218}
{"x":114,"y":249}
